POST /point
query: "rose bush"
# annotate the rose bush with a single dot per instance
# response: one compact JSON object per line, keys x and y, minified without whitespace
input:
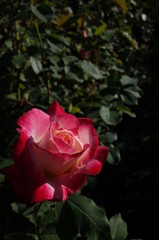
{"x":53,"y":155}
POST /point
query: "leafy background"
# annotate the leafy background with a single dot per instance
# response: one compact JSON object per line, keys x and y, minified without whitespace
{"x":98,"y":59}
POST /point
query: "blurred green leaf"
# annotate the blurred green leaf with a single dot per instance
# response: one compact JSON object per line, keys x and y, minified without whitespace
{"x":130,"y":39}
{"x":108,"y":35}
{"x":109,"y":116}
{"x":69,"y":59}
{"x":114,"y":155}
{"x":126,"y":80}
{"x":30,"y":212}
{"x":62,"y":39}
{"x":2,"y":178}
{"x":123,"y":5}
{"x":12,"y":96}
{"x":50,"y":237}
{"x":132,"y":92}
{"x":130,"y":95}
{"x":54,"y":48}
{"x":38,"y":14}
{"x":110,"y":137}
{"x":99,"y":30}
{"x":19,"y":60}
{"x":126,"y":110}
{"x":90,"y":69}
{"x":108,"y":98}
{"x":17,"y":207}
{"x":20,"y":236}
{"x":36,"y":65}
{"x":118,"y":227}
{"x":4,"y":162}
{"x":73,"y":76}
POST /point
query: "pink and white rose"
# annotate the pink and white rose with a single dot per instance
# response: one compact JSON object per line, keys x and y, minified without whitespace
{"x":53,"y":155}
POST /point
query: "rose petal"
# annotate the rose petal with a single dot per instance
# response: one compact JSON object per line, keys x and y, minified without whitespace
{"x":93,"y":167}
{"x":61,"y":192}
{"x":34,"y":123}
{"x":55,"y":163}
{"x":26,"y":175}
{"x":19,"y":146}
{"x":43,"y":192}
{"x":72,"y":182}
{"x":68,"y":122}
{"x":101,"y":153}
{"x":31,"y":167}
{"x":84,"y":158}
{"x":63,"y":147}
{"x":55,"y":111}
{"x":87,"y":133}
{"x":47,"y":142}
{"x":18,"y":184}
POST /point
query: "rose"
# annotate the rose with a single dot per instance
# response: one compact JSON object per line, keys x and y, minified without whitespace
{"x":53,"y":155}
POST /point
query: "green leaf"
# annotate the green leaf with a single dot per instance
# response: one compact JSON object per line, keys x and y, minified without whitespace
{"x":62,"y":39}
{"x":36,"y":65}
{"x":105,"y":113}
{"x":130,"y":95}
{"x":20,"y":236}
{"x":99,"y":30}
{"x":109,"y":98}
{"x":123,"y":5}
{"x":48,"y":222}
{"x":126,"y":110}
{"x":29,"y":213}
{"x":44,"y":207}
{"x":38,"y":14}
{"x":18,"y":60}
{"x":50,"y":237}
{"x":90,"y":69}
{"x":5,"y":162}
{"x":49,"y":232}
{"x":12,"y":96}
{"x":110,"y":137}
{"x":80,"y":215}
{"x":54,"y":48}
{"x":69,"y":59}
{"x":108,"y":35}
{"x":126,"y":80}
{"x":130,"y":39}
{"x":114,"y":154}
{"x":109,"y":116}
{"x":17,"y":207}
{"x":132,"y":92}
{"x":118,"y":227}
{"x":46,"y":214}
{"x":73,"y":76}
{"x":2,"y":178}
{"x":54,"y":59}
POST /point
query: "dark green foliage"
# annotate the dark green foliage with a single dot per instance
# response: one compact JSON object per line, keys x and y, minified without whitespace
{"x":72,"y":52}
{"x":78,"y":217}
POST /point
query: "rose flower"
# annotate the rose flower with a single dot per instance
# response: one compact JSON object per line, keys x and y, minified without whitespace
{"x":53,"y":155}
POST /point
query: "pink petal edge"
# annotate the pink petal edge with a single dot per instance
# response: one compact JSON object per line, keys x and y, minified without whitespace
{"x":34,"y":123}
{"x":55,"y":111}
{"x":93,"y":167}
